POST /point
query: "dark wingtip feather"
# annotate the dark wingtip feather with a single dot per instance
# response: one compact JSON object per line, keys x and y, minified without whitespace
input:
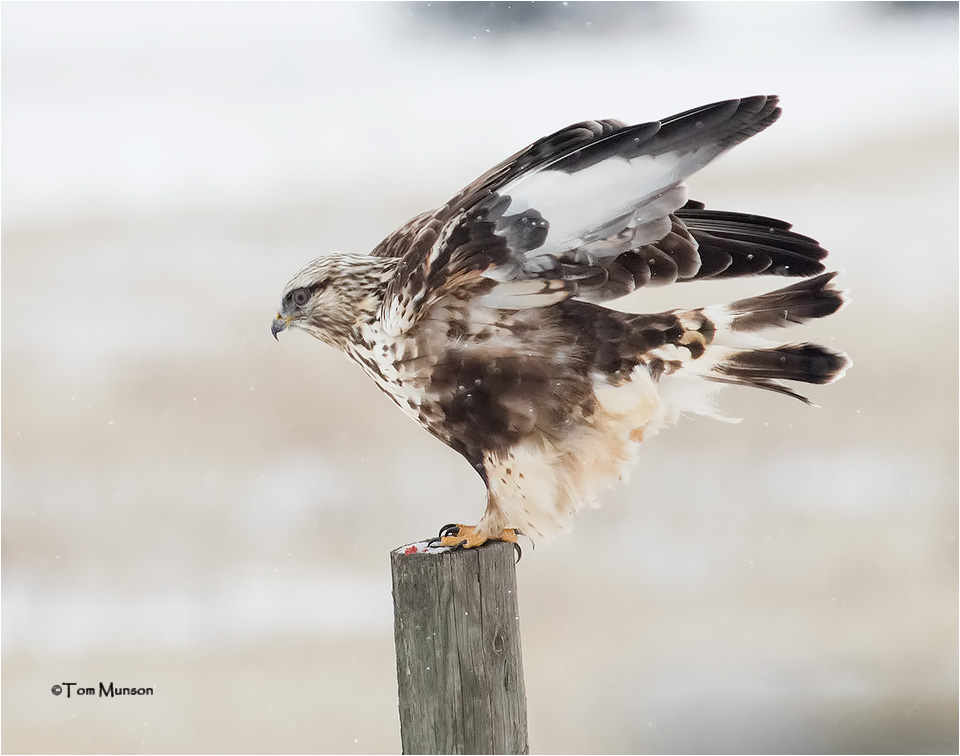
{"x":754,"y":244}
{"x":806,"y":363}
{"x":806,"y":300}
{"x":741,"y":118}
{"x":716,"y":127}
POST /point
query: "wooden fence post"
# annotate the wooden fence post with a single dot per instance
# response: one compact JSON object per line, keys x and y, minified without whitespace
{"x":459,"y":668}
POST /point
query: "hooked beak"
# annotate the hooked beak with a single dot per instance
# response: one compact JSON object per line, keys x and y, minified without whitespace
{"x":279,"y":324}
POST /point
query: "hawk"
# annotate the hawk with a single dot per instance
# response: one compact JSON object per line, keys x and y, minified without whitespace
{"x":485,"y":320}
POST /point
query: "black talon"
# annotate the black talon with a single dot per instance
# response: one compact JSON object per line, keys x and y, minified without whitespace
{"x":533,"y":544}
{"x":519,"y":552}
{"x":449,"y":530}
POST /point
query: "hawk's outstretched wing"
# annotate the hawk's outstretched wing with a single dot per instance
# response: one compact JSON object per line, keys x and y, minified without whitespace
{"x":593,"y":212}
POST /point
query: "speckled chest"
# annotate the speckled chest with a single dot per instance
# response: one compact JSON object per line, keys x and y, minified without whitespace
{"x":397,"y":368}
{"x":480,"y":379}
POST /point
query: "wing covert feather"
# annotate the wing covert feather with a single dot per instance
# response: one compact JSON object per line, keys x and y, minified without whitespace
{"x":593,"y":212}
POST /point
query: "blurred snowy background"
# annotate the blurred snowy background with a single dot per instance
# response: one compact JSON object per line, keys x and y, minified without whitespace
{"x":191,"y":506}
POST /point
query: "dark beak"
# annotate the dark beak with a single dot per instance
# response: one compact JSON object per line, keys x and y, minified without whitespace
{"x":279,"y":324}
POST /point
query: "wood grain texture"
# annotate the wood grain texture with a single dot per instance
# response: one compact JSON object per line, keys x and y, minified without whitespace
{"x":459,"y":666}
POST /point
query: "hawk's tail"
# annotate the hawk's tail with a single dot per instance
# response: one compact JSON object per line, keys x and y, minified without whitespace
{"x":720,"y":343}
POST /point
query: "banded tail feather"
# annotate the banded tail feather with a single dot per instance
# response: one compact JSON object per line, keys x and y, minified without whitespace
{"x":765,"y":368}
{"x":806,"y":300}
{"x":721,"y":343}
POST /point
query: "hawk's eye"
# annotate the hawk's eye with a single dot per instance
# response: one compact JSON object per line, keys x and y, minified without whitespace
{"x":300,"y":296}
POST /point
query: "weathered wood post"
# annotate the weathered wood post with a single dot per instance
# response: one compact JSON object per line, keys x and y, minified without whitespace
{"x":457,"y":631}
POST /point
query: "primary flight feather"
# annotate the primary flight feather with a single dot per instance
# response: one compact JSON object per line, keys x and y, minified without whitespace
{"x":483,"y":320}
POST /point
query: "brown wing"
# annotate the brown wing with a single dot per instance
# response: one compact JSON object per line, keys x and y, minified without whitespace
{"x":529,"y":158}
{"x":593,"y":212}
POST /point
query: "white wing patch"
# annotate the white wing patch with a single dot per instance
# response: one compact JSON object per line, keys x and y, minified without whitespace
{"x":523,"y":294}
{"x":582,"y":206}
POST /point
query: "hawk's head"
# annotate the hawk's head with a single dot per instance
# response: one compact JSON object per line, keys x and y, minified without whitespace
{"x":329,"y":297}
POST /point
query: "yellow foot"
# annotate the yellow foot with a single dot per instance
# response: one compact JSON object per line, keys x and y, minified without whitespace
{"x":467,"y":537}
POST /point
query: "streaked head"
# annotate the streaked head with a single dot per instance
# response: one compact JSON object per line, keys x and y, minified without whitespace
{"x":329,"y":297}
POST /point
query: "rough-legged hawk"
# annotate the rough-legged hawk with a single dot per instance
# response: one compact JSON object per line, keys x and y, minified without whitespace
{"x":484,"y":319}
